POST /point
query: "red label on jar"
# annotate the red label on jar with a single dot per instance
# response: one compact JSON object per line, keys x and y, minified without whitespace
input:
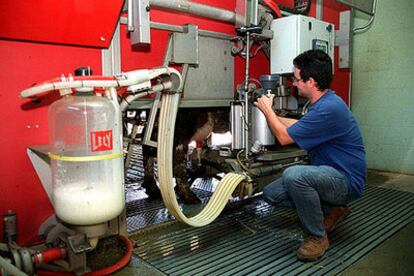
{"x":101,"y":140}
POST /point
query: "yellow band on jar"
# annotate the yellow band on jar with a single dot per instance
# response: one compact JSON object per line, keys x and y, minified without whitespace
{"x":85,"y":158}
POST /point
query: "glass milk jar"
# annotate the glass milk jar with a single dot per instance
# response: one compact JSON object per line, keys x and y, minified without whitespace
{"x":85,"y":136}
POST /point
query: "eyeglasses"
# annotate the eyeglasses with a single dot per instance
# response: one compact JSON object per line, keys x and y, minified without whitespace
{"x":295,"y":80}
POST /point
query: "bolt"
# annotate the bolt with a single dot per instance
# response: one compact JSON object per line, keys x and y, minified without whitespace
{"x":103,"y":38}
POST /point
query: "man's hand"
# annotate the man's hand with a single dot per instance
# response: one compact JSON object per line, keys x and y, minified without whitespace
{"x":278,"y":128}
{"x":265,"y":103}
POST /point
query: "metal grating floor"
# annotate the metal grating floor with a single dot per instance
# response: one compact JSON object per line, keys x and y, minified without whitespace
{"x":261,"y":240}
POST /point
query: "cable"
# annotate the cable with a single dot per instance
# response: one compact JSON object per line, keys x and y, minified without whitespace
{"x":242,"y":165}
{"x":371,"y":20}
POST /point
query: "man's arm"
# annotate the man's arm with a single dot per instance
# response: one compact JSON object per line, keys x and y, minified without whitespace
{"x":279,"y":129}
{"x":287,"y":121}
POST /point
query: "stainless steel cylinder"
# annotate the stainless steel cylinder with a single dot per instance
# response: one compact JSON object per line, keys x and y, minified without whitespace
{"x":196,"y":9}
{"x":237,"y":125}
{"x":261,"y":132}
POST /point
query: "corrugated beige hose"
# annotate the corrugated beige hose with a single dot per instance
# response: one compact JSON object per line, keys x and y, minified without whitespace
{"x":225,"y":188}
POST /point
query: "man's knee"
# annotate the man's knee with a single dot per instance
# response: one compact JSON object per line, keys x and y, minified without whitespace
{"x":294,"y":173}
{"x":295,"y":177}
{"x":274,"y":192}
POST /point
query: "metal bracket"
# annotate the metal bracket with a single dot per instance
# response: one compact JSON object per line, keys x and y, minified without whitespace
{"x":41,"y":163}
{"x":78,"y":246}
{"x":154,"y":110}
{"x":185,"y":46}
{"x":150,"y":126}
{"x":246,"y":13}
{"x":366,"y":6}
{"x":111,"y":57}
{"x":139,"y":21}
{"x":156,"y":103}
{"x":343,"y":39}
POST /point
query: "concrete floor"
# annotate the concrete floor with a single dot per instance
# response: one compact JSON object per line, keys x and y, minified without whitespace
{"x":395,"y":256}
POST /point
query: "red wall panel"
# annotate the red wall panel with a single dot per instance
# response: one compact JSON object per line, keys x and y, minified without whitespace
{"x":23,"y":124}
{"x":86,"y":23}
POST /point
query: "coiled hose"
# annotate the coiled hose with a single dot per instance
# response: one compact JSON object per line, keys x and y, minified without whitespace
{"x":168,"y":113}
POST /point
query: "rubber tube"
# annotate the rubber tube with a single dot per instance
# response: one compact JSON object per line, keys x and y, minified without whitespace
{"x":156,"y":88}
{"x":219,"y":199}
{"x":120,"y":264}
{"x":104,"y":271}
{"x":50,"y":255}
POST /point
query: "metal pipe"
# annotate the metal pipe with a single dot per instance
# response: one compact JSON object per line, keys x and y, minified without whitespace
{"x":196,"y":9}
{"x":319,"y":9}
{"x":246,"y":97}
{"x":131,"y":26}
{"x":180,"y":29}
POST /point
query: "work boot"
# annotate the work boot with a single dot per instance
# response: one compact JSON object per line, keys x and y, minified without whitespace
{"x":336,"y":215}
{"x":312,"y":248}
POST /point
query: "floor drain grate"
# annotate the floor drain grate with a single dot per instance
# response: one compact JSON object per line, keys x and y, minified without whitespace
{"x":261,"y":240}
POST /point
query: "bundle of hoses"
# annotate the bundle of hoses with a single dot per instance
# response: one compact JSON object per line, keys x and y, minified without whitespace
{"x":217,"y":202}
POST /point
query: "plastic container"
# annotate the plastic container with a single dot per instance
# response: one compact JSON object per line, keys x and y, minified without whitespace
{"x":82,"y":127}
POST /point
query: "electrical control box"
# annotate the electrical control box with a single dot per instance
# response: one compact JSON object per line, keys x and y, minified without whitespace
{"x":293,"y":35}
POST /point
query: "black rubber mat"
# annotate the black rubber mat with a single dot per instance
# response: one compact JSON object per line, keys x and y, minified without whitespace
{"x":261,"y":240}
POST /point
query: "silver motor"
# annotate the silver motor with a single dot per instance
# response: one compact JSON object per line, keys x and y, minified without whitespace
{"x":261,"y":132}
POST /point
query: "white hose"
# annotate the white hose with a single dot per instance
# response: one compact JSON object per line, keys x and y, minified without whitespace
{"x":121,"y":80}
{"x":168,"y":113}
{"x":9,"y":268}
{"x":156,"y":88}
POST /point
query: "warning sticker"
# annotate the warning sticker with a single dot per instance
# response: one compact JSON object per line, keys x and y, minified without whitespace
{"x":101,"y":140}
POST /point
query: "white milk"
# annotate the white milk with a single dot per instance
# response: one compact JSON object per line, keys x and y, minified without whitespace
{"x":88,"y":203}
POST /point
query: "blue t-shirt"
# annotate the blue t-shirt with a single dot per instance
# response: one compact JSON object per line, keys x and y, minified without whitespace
{"x":330,"y":134}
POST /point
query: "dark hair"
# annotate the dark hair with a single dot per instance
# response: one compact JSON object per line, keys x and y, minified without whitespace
{"x":315,"y":64}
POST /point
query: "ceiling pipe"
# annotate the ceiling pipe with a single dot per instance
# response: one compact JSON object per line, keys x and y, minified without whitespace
{"x":196,"y":9}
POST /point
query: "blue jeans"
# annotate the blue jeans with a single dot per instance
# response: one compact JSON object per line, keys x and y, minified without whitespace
{"x":313,"y":190}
